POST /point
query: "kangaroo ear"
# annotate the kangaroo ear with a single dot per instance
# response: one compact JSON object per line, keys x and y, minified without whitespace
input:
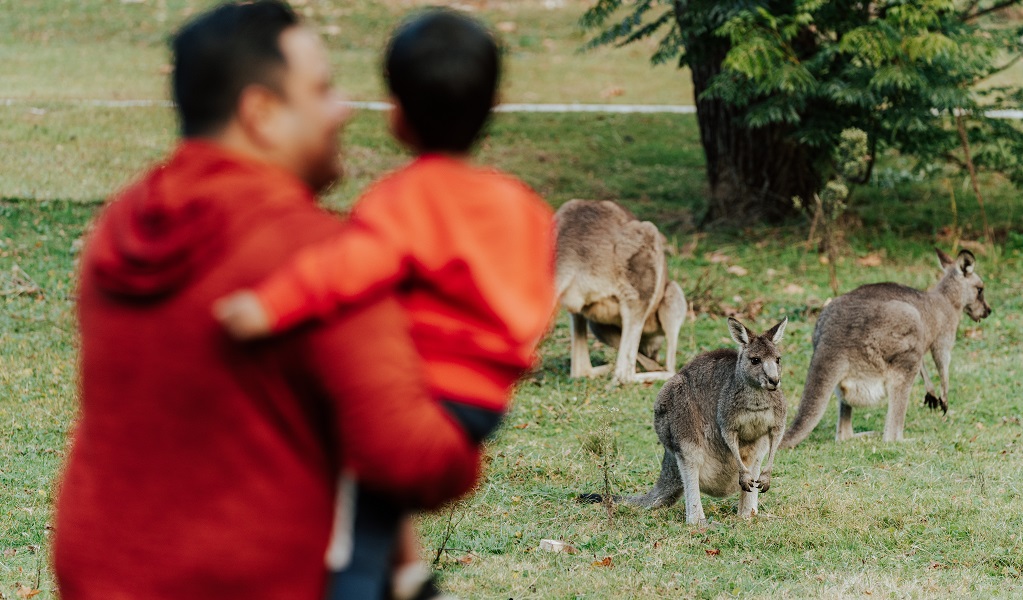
{"x":966,"y":261}
{"x":945,"y":260}
{"x":739,"y":332}
{"x":777,"y":331}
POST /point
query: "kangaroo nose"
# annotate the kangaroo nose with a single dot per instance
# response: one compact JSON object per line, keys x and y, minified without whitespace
{"x":772,"y":382}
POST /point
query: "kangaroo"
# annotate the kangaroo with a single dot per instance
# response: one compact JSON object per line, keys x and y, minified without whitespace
{"x":612,"y":277}
{"x":720,"y":420}
{"x":870,"y":344}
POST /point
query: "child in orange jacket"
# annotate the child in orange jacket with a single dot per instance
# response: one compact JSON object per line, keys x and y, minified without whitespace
{"x":469,"y":251}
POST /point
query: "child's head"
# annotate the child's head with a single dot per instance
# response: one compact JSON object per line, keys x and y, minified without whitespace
{"x":442,"y":67}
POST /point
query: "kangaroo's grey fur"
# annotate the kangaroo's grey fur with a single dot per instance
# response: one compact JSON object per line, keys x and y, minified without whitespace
{"x":870,"y":344}
{"x":720,"y":420}
{"x":612,"y":276}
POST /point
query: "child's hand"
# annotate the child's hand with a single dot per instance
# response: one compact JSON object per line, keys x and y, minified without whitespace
{"x":242,"y":315}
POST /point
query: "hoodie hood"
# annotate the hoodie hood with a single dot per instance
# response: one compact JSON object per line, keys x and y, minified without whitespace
{"x":162,"y":232}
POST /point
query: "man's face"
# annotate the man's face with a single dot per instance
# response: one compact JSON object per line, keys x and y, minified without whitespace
{"x":309,"y":119}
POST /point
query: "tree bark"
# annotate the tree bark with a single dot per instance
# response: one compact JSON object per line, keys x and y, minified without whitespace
{"x":753,"y":173}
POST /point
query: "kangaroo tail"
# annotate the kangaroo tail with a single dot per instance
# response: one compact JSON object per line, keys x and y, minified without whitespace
{"x":666,"y":491}
{"x":821,"y":380}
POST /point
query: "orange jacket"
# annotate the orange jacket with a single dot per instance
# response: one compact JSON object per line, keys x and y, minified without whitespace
{"x":201,"y":468}
{"x":470,"y":252}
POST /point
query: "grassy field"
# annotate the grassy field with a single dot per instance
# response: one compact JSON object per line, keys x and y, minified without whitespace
{"x":55,"y":50}
{"x":938,"y":516}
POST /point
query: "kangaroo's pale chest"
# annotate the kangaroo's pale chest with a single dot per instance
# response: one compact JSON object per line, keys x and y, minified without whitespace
{"x":753,"y":424}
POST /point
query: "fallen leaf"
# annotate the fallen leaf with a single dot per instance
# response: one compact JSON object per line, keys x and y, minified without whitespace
{"x":606,"y":562}
{"x":612,"y":92}
{"x":332,"y":30}
{"x":793,"y":289}
{"x":717,"y":257}
{"x":871,"y":260}
{"x":521,"y":425}
{"x":465,"y":560}
{"x":507,"y":26}
{"x":688,"y":249}
{"x":712,"y":551}
{"x":26,"y":592}
{"x":737,"y":270}
{"x":657,"y":545}
{"x":9,"y":552}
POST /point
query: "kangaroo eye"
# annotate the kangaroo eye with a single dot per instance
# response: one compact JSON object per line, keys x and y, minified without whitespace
{"x":754,"y":361}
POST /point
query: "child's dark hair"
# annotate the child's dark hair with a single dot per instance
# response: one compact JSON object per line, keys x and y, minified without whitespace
{"x":443,"y":67}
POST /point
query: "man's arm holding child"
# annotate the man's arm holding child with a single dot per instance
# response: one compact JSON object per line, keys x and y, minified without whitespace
{"x":391,"y":434}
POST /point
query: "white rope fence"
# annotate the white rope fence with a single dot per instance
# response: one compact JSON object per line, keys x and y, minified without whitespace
{"x":678,"y":109}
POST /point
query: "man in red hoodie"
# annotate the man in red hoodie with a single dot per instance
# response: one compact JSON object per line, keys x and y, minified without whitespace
{"x":202,"y":467}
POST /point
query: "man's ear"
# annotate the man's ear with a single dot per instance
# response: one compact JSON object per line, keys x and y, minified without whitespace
{"x":257,"y":112}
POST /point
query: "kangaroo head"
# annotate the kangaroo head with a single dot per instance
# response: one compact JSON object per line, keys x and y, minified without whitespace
{"x":962,"y":272}
{"x":759,"y":358}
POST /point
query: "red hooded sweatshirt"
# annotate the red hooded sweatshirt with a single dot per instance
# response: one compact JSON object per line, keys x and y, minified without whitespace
{"x":204,"y":468}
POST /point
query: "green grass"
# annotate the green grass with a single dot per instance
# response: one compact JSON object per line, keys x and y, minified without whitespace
{"x":937,"y":516}
{"x":106,"y":49}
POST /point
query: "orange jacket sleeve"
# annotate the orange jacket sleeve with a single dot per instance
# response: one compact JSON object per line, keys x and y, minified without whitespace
{"x":370,"y":255}
{"x":391,"y":434}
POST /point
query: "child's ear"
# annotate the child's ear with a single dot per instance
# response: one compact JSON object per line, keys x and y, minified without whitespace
{"x":399,"y":125}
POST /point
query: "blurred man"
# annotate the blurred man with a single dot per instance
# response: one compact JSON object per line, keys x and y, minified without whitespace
{"x":205,"y":468}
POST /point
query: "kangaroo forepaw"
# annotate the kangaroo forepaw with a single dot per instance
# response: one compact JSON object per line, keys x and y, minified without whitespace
{"x":746,"y":481}
{"x":933,"y":402}
{"x":764,"y":483}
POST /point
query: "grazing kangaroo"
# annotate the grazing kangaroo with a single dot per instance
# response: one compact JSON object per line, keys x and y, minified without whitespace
{"x":871,"y":343}
{"x":720,"y":420}
{"x":612,"y":276}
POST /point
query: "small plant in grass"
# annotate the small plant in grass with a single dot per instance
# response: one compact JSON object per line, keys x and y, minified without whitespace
{"x":603,"y":445}
{"x":455,"y":513}
{"x":852,"y":164}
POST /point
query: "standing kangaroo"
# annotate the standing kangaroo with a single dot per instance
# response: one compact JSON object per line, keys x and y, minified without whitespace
{"x":871,"y":343}
{"x":720,"y":420}
{"x":612,"y":276}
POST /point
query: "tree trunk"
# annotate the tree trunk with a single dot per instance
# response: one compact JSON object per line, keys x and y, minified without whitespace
{"x":753,"y":173}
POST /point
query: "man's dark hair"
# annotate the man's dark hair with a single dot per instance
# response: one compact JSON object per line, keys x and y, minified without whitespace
{"x":443,"y":67}
{"x":221,"y":52}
